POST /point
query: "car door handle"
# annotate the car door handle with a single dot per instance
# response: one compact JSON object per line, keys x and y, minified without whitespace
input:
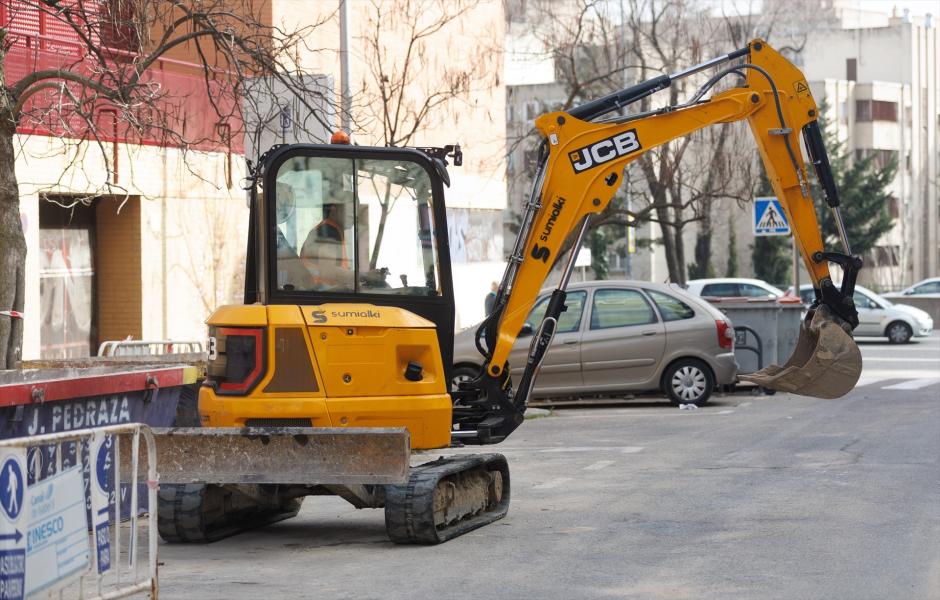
{"x":648,"y":333}
{"x":570,"y":342}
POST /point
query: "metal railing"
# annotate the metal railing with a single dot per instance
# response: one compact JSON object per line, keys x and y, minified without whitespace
{"x":148,"y":347}
{"x":102,"y":553}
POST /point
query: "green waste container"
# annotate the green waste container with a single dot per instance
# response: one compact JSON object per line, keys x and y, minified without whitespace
{"x":776,"y":321}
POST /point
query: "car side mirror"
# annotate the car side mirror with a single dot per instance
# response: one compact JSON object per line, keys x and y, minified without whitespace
{"x":526,"y":329}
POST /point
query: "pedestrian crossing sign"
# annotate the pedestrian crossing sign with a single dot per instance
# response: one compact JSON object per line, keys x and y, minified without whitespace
{"x":769,"y":218}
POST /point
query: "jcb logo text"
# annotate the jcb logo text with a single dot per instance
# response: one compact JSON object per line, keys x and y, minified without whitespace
{"x":604,"y":151}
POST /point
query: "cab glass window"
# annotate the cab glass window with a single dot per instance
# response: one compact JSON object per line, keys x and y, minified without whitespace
{"x":671,"y":309}
{"x":354,"y":225}
{"x":620,"y":308}
{"x":570,"y":320}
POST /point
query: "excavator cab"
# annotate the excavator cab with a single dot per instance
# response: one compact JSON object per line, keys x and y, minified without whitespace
{"x":339,"y":223}
{"x":348,"y":316}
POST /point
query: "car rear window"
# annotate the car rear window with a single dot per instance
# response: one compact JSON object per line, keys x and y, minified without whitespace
{"x":672,"y":309}
{"x":932,"y":287}
{"x":754,"y":291}
{"x":620,"y":308}
{"x":721,"y":290}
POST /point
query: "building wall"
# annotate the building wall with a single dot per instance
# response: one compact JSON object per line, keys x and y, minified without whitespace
{"x":898,"y":62}
{"x":189,"y":224}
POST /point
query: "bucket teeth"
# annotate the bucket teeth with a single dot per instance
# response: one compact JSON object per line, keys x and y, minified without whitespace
{"x":826,"y":362}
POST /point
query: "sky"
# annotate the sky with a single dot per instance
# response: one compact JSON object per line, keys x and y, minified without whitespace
{"x":917,"y":7}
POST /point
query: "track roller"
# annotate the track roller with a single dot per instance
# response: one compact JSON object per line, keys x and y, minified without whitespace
{"x":447,"y":498}
{"x":200,"y":513}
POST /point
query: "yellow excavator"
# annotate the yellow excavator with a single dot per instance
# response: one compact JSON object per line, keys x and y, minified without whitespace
{"x":338,"y":362}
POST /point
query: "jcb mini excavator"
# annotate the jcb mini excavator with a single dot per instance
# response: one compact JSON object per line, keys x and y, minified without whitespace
{"x":338,"y":361}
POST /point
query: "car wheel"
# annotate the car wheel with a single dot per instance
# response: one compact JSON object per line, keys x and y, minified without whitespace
{"x":462,"y":374}
{"x":899,"y":332}
{"x":688,"y":381}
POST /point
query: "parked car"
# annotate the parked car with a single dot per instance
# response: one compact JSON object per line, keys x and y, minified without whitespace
{"x":879,"y":317}
{"x":619,"y":336}
{"x":732,"y":287}
{"x":927,"y":286}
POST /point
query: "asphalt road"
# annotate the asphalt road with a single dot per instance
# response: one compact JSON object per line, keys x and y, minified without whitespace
{"x":752,"y":497}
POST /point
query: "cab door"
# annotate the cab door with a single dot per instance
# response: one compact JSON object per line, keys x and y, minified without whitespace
{"x":624,"y":340}
{"x":561,"y":367}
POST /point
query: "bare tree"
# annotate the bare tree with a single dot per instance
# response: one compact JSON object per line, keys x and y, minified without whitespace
{"x":111,"y":86}
{"x":600,"y":46}
{"x":407,"y":89}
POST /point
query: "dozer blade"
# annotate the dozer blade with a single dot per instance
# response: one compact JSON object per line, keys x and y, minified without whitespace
{"x":281,"y":455}
{"x":825,"y":364}
{"x":217,"y":482}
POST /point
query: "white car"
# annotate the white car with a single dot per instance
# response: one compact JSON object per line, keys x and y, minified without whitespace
{"x":878,"y":317}
{"x":921,"y":288}
{"x":732,"y":287}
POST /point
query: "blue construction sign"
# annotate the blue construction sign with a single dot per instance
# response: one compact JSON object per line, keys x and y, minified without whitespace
{"x":769,"y":218}
{"x":13,"y":525}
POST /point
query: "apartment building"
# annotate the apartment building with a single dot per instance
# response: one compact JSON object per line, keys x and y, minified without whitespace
{"x":879,"y":74}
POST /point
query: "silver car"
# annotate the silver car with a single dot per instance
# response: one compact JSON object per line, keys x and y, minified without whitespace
{"x":621,"y":336}
{"x":879,"y":317}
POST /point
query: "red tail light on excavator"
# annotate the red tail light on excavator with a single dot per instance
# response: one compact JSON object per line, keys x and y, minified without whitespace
{"x":236,"y":359}
{"x":725,"y":334}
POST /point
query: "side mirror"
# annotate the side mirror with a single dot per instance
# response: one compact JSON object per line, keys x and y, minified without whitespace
{"x":526,"y":329}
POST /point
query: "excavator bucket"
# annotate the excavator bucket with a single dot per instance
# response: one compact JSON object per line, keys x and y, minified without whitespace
{"x":825,"y":364}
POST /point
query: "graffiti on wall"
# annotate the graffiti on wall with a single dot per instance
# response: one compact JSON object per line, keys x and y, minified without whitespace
{"x":475,"y":235}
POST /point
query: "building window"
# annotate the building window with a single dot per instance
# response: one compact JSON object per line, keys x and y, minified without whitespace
{"x":893,"y":208}
{"x":884,"y":111}
{"x":884,"y":256}
{"x":532,"y":110}
{"x":862,"y":111}
{"x":876,"y":110}
{"x":851,"y":69}
{"x":882,"y":158}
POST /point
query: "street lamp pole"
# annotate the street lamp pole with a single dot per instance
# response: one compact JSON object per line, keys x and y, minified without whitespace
{"x":346,"y":100}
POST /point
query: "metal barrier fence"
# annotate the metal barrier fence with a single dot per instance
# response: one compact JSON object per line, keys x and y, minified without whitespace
{"x":147,"y":347}
{"x":70,"y":525}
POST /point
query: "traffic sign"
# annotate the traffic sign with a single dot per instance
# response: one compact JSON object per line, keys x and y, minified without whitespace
{"x":100,"y":456}
{"x":769,"y":218}
{"x":12,"y":525}
{"x":57,"y":549}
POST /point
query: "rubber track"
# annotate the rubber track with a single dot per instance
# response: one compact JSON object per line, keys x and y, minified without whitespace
{"x":409,"y":508}
{"x":180,"y":518}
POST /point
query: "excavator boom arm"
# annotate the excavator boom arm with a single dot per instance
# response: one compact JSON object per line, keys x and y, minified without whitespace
{"x":580,"y":170}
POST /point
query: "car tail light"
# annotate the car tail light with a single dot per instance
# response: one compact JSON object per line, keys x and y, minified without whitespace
{"x":236,"y":359}
{"x":725,"y":334}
